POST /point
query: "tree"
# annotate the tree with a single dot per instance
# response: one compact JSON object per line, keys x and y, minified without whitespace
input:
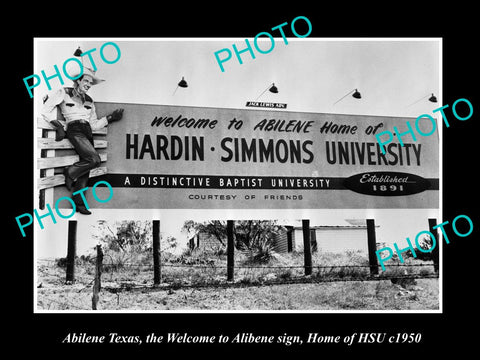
{"x":255,"y":234}
{"x":425,"y":242}
{"x":126,"y":239}
{"x":248,"y":233}
{"x":168,"y":243}
{"x":215,"y":228}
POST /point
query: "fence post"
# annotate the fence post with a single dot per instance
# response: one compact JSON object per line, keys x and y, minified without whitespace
{"x":71,"y":251}
{"x":46,"y":195}
{"x":97,"y":281}
{"x":230,"y":251}
{"x":372,"y":247}
{"x":307,"y":248}
{"x":157,"y":267}
{"x":436,"y":249}
{"x":289,"y":238}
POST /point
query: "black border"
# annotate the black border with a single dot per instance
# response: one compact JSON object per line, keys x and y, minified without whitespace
{"x":43,"y":332}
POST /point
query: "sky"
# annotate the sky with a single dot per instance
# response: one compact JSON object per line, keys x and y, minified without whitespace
{"x":394,"y":76}
{"x":311,"y":73}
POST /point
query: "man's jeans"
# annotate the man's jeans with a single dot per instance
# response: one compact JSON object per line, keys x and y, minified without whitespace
{"x":80,"y":135}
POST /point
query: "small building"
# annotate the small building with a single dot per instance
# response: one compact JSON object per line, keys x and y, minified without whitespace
{"x":204,"y":241}
{"x":323,"y":238}
{"x":287,"y":238}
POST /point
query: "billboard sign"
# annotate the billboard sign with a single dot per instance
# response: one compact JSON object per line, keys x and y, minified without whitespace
{"x":179,"y":157}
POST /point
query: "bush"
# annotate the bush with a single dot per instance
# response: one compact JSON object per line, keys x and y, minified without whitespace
{"x":347,"y":258}
{"x":219,"y":251}
{"x":118,"y":259}
{"x":194,"y":257}
{"x":82,"y":260}
{"x":61,"y":262}
{"x":261,"y":253}
{"x":250,"y":279}
{"x":286,"y":275}
{"x":425,"y":244}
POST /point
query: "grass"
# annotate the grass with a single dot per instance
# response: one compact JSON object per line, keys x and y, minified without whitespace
{"x":204,"y":267}
{"x":199,"y":268}
{"x":354,"y":295}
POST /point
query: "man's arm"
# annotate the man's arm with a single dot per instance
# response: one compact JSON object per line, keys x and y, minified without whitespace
{"x":49,"y":109}
{"x":96,"y":123}
{"x":100,"y":123}
{"x":49,"y":112}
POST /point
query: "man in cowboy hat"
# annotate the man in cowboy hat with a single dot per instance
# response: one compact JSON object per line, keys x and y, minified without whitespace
{"x":79,"y":112}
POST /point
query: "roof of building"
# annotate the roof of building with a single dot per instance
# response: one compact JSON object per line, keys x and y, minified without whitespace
{"x":335,"y":227}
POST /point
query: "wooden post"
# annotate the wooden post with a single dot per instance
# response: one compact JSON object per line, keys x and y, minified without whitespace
{"x":46,"y":196}
{"x":71,"y":251}
{"x":313,"y":240}
{"x":289,"y":238}
{"x":436,"y":249}
{"x":307,"y":248}
{"x":41,"y":173}
{"x":230,"y":251}
{"x":372,"y":247}
{"x":157,"y":266}
{"x":97,"y":284}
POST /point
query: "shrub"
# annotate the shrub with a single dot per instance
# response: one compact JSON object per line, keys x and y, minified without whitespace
{"x":261,"y":253}
{"x":116,"y":260}
{"x":194,"y":257}
{"x":250,"y":279}
{"x":219,"y":251}
{"x":286,"y":275}
{"x":79,"y":261}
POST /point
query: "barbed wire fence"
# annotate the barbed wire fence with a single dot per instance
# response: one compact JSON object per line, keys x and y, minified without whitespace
{"x":125,"y":277}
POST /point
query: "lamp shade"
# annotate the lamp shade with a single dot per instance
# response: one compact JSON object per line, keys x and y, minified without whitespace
{"x":356,"y":94}
{"x":183,"y":83}
{"x":273,"y":89}
{"x":78,"y":52}
{"x":432,"y":98}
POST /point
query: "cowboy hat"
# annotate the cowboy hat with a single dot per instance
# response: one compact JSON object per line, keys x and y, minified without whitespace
{"x":87,"y":71}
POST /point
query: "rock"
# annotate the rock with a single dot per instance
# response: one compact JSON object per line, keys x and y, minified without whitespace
{"x":416,"y":288}
{"x":269,"y":277}
{"x":404,"y":282}
{"x":412,"y":297}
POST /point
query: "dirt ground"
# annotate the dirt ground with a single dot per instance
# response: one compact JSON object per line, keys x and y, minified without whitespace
{"x":54,"y":294}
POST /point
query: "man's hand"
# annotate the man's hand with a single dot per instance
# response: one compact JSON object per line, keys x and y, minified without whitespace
{"x":59,"y":131}
{"x":115,"y":116}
